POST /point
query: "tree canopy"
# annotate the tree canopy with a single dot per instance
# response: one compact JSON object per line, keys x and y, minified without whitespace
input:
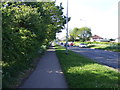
{"x":83,"y":33}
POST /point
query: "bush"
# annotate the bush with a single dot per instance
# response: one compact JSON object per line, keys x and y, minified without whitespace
{"x":27,"y":31}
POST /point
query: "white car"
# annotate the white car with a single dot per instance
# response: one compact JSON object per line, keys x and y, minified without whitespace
{"x":82,"y":45}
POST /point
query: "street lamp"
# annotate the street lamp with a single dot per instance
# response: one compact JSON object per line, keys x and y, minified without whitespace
{"x":67,"y":30}
{"x":84,"y":32}
{"x":84,"y":21}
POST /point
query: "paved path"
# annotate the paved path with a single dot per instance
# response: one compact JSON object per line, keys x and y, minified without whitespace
{"x":48,"y":73}
{"x":108,"y":58}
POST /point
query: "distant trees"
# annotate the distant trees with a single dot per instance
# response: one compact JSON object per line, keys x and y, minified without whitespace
{"x":83,"y":34}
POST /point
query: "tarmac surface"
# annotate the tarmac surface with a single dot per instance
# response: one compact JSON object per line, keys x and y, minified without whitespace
{"x":48,"y":73}
{"x":108,"y":58}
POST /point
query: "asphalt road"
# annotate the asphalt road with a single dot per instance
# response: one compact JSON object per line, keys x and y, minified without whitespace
{"x":108,"y":58}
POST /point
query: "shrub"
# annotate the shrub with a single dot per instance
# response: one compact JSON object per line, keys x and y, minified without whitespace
{"x":27,"y":30}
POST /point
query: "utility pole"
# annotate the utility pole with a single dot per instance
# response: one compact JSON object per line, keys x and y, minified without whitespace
{"x":67,"y":30}
{"x":84,"y":33}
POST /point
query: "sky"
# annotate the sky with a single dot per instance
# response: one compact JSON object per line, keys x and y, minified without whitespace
{"x":99,"y":15}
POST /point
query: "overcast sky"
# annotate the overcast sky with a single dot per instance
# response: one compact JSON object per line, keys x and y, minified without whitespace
{"x":100,"y":15}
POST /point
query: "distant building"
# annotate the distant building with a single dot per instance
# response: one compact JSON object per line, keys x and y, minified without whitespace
{"x":96,"y":38}
{"x":117,"y":39}
{"x":63,"y":38}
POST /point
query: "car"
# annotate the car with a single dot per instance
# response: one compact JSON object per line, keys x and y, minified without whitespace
{"x":61,"y":43}
{"x":66,"y":44}
{"x":70,"y":43}
{"x":82,"y":45}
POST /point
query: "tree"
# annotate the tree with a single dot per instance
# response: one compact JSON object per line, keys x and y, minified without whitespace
{"x":53,"y":18}
{"x":74,"y":34}
{"x":26,"y":27}
{"x":83,"y":34}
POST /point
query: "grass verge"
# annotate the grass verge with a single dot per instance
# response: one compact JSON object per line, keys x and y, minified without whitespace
{"x":110,"y":46}
{"x":81,"y":72}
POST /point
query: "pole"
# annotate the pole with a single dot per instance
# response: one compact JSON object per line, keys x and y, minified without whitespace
{"x":67,"y":30}
{"x":85,"y":27}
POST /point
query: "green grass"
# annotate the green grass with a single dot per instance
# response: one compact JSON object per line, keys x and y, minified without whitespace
{"x":81,"y":72}
{"x":110,"y":46}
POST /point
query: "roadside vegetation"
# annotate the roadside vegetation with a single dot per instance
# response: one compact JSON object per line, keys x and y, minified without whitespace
{"x":81,"y":72}
{"x":27,"y":30}
{"x":111,"y":46}
{"x":84,"y":34}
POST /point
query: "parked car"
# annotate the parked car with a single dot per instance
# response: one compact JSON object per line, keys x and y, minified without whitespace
{"x":66,"y":44}
{"x":82,"y":45}
{"x":61,"y":43}
{"x":71,"y":44}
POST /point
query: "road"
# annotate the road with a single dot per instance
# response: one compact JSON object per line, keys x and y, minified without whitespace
{"x":108,"y":58}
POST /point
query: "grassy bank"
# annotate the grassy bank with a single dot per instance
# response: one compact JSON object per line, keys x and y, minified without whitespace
{"x":81,"y":72}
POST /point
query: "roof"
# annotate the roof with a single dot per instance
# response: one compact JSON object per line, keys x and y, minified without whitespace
{"x":96,"y":37}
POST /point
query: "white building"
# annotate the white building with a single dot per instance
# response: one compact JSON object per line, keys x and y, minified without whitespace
{"x":117,"y":39}
{"x":96,"y":38}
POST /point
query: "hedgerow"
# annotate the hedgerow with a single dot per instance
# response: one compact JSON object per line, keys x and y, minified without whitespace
{"x":27,"y":29}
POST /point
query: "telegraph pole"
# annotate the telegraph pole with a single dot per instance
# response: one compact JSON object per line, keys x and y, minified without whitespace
{"x":67,"y":30}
